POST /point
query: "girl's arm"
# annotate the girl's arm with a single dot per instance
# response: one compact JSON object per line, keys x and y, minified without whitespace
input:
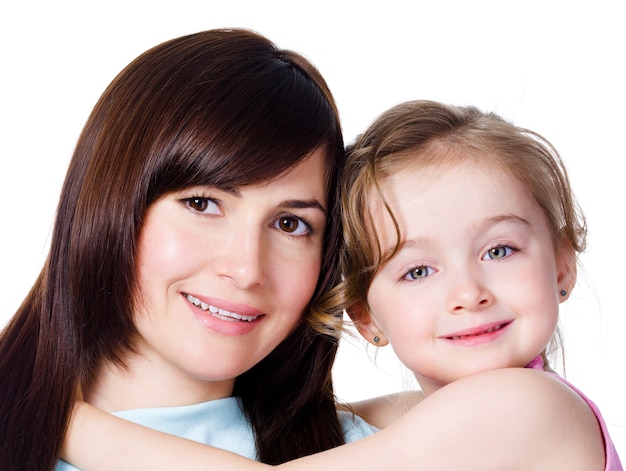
{"x":97,"y":440}
{"x":514,"y":419}
{"x":384,"y":410}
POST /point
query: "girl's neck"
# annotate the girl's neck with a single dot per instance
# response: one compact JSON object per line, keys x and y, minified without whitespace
{"x":141,"y":385}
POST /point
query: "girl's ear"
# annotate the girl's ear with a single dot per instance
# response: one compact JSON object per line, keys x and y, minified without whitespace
{"x":566,"y":270}
{"x":366,"y":324}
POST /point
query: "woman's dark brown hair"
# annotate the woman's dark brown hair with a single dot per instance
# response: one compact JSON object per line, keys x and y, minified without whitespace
{"x":224,"y":108}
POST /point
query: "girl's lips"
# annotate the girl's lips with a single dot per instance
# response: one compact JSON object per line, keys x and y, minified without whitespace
{"x":480,"y":334}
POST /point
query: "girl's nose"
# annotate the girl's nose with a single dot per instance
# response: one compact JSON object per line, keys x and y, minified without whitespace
{"x":468,"y":291}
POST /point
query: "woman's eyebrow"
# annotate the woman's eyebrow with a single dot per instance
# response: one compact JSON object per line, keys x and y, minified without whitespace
{"x":302,"y":204}
{"x":291,"y":203}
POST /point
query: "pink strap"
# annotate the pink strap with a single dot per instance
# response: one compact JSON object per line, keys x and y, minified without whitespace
{"x":612,"y":459}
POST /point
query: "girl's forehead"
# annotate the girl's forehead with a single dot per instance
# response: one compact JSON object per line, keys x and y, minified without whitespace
{"x":450,"y":206}
{"x":429,"y":165}
{"x":435,"y":192}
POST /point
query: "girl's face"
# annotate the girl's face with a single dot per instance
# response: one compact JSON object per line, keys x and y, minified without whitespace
{"x":475,"y":284}
{"x":224,"y":277}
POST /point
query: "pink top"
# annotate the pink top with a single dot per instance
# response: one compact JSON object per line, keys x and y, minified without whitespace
{"x":612,"y":459}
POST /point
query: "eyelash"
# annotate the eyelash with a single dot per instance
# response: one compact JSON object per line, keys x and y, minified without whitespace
{"x":300,"y":219}
{"x":407,"y":274}
{"x":511,"y":250}
{"x":188,"y":202}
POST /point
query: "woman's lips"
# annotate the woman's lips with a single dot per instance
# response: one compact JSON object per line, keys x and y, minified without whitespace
{"x":224,"y":317}
{"x":221,"y":313}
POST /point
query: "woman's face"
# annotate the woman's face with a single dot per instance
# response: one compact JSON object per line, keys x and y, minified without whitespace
{"x":224,"y":277}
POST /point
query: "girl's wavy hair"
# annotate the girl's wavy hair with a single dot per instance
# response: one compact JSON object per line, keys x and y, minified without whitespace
{"x":224,"y":108}
{"x":425,"y":133}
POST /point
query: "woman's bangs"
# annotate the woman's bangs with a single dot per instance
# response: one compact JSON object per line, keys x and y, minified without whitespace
{"x":228,"y":149}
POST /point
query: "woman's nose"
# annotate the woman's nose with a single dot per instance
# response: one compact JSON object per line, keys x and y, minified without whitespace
{"x":241,"y":260}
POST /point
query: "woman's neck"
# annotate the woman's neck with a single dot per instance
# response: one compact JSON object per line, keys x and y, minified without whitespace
{"x":142,"y":384}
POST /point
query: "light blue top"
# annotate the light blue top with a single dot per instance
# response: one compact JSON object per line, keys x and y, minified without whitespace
{"x":220,"y":423}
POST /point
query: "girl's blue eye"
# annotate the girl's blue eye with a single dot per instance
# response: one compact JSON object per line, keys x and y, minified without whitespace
{"x":418,"y":273}
{"x":202,"y":205}
{"x":498,"y":253}
{"x":292,"y":225}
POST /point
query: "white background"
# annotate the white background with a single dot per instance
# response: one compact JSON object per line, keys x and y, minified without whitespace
{"x":556,"y":67}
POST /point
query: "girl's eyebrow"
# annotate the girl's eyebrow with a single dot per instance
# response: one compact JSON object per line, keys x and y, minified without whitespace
{"x":420,"y":242}
{"x":503,"y":218}
{"x":415,"y":242}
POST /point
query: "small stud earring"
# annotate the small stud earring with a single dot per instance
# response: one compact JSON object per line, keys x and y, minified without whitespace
{"x":376,"y":339}
{"x":563,"y":292}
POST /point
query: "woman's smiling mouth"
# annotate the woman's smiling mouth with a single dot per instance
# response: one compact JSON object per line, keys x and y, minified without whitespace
{"x":219,"y":313}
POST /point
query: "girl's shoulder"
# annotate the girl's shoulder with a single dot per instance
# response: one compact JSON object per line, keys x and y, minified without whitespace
{"x":531,"y":408}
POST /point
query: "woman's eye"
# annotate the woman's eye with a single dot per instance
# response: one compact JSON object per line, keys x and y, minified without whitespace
{"x":418,"y":273}
{"x":292,"y":225}
{"x":202,"y":205}
{"x":499,"y":252}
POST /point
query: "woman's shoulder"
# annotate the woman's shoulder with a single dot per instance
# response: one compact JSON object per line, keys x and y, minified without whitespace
{"x":354,"y":427}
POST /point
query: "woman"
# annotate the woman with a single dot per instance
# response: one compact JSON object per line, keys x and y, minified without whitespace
{"x":192,"y":257}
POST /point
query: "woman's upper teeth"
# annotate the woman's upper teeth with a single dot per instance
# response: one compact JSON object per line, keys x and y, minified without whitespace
{"x":221,"y":313}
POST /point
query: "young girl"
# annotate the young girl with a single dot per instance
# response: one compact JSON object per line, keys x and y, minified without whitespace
{"x":462,"y":238}
{"x":192,"y":260}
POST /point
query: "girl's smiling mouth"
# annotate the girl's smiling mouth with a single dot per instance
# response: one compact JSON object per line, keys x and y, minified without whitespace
{"x":478,"y":335}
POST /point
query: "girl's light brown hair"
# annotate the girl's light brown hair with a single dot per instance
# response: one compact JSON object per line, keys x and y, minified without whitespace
{"x":424,"y":133}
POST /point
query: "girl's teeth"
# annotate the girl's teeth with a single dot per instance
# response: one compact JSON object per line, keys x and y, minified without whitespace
{"x":458,"y":337}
